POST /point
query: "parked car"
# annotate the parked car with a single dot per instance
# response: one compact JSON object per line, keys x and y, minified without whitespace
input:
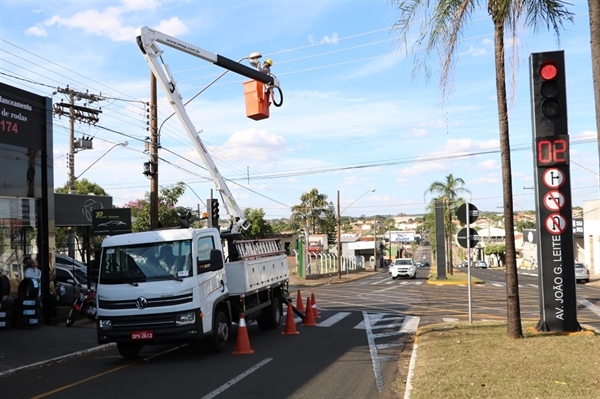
{"x":424,"y":264}
{"x":481,"y":264}
{"x":70,"y":278}
{"x":67,"y":261}
{"x":581,"y":273}
{"x":403,"y":267}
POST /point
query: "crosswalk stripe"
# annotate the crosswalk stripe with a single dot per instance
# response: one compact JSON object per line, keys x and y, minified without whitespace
{"x":333,"y":319}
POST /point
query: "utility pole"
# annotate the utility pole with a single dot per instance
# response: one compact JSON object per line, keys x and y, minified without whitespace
{"x":154,"y":143}
{"x":81,"y":114}
{"x":339,"y":237}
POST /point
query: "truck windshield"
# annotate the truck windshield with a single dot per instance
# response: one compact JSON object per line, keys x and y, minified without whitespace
{"x":146,"y":262}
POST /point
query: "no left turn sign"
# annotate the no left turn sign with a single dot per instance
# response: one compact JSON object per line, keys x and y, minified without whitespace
{"x":556,"y":224}
{"x":554,"y":200}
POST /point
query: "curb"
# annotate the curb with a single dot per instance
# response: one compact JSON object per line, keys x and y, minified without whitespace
{"x":57,"y":359}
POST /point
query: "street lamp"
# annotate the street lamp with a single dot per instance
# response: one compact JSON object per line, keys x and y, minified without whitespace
{"x":339,"y":229}
{"x":72,"y":178}
{"x":124,"y":144}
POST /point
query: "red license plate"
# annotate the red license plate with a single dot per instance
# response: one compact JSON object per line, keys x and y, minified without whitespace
{"x":142,"y":334}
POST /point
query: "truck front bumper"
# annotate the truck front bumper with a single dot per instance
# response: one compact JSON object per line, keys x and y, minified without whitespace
{"x":151,"y":329}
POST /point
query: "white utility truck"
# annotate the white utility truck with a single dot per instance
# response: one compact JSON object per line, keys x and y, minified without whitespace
{"x":181,"y":285}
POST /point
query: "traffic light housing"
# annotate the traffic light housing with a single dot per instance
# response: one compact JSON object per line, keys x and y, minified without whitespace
{"x":213,"y":212}
{"x":548,"y":94}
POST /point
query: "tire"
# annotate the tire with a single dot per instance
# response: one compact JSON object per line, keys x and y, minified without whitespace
{"x":5,"y":320}
{"x":27,"y":290}
{"x":129,"y":350}
{"x":73,"y":315}
{"x":270,"y":317}
{"x":221,"y":328}
{"x":414,"y":276}
{"x":4,"y":288}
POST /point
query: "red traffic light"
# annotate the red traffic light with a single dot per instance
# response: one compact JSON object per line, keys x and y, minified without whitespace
{"x":548,"y":70}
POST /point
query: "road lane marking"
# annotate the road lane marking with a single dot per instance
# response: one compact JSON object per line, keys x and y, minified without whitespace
{"x":237,"y":379}
{"x":410,"y":324}
{"x":373,"y":350}
{"x":82,"y":381}
{"x":593,"y":308}
{"x":333,"y":319}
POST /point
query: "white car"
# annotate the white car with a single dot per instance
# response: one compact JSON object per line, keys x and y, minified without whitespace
{"x":403,"y":267}
{"x":581,"y":273}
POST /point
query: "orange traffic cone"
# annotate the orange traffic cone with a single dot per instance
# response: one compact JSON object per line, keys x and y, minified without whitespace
{"x":299,"y":304}
{"x":290,"y":324}
{"x":243,"y":343}
{"x":309,"y":318}
{"x":314,"y":307}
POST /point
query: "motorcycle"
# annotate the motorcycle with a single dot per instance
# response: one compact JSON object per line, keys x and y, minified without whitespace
{"x":84,"y":304}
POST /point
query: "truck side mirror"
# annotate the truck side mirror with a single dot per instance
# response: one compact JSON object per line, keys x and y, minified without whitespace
{"x":215,"y":262}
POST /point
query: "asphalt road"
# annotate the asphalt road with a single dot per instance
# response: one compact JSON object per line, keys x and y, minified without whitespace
{"x":360,"y":348}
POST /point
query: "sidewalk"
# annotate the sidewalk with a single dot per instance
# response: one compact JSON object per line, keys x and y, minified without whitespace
{"x":24,"y":347}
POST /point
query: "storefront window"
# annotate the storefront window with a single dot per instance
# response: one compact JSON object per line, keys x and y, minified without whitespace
{"x":21,"y":172}
{"x":19,"y":230}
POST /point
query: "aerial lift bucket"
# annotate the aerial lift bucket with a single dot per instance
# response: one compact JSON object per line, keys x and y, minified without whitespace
{"x":257,"y":100}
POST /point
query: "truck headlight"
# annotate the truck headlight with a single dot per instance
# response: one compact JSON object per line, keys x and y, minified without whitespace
{"x":185,"y":319}
{"x":105,"y":324}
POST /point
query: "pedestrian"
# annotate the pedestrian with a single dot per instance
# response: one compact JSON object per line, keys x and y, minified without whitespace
{"x":32,"y":272}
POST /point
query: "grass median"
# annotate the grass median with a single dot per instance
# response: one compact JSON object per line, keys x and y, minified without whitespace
{"x":457,"y":278}
{"x":461,"y":360}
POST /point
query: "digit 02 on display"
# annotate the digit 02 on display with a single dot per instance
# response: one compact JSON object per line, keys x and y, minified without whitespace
{"x":556,"y":273}
{"x":552,"y":150}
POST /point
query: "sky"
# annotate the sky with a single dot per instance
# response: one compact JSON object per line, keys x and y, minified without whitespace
{"x":356,"y":115}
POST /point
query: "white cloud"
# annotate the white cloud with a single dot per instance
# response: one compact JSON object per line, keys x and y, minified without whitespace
{"x":109,"y":23}
{"x":333,"y":39}
{"x":488,"y":164}
{"x":172,"y":26}
{"x":422,"y":168}
{"x":256,"y":145}
{"x":36,"y":31}
{"x":463,"y":145}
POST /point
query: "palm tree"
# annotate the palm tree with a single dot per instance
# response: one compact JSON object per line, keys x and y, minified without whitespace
{"x":441,"y":26}
{"x":448,"y":191}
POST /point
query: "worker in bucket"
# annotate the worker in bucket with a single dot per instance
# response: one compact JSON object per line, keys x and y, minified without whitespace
{"x":266,"y":66}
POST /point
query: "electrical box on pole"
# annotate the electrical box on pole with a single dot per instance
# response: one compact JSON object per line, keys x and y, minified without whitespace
{"x":558,"y":302}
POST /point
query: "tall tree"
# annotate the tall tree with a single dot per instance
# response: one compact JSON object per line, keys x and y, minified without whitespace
{"x":259,"y":227}
{"x":313,"y":209}
{"x":448,"y":191}
{"x":441,"y":24}
{"x":168,"y":211}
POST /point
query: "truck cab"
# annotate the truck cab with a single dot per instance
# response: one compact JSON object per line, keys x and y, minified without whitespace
{"x":162,"y":286}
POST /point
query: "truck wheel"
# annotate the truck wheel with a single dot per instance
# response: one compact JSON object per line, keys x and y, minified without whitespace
{"x":218,"y":342}
{"x":129,"y":350}
{"x":270,"y":317}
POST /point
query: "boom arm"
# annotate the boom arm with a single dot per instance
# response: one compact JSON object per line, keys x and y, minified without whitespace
{"x":148,"y":39}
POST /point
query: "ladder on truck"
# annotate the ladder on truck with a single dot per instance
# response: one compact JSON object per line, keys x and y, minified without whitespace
{"x":253,"y":249}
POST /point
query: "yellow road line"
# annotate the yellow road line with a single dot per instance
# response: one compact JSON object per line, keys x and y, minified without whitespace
{"x":80,"y":382}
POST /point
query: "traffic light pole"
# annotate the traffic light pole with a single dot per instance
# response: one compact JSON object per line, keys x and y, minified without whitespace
{"x":556,"y":270}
